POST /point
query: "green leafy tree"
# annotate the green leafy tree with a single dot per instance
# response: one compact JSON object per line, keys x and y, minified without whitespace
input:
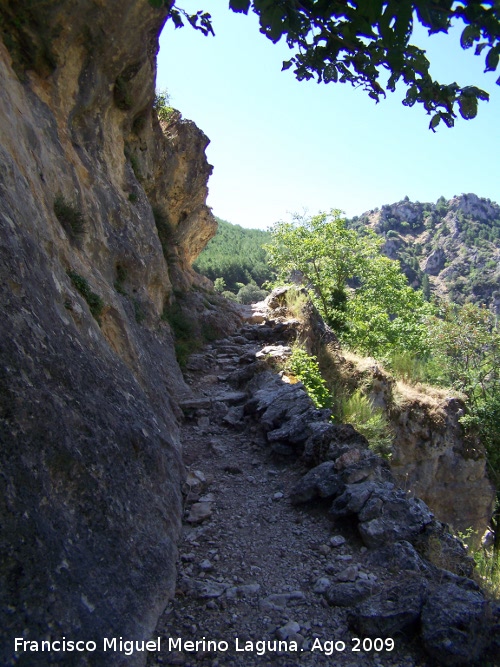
{"x":250,"y":293}
{"x":426,"y":287}
{"x":219,"y":285}
{"x":325,"y":253}
{"x":367,"y":44}
{"x":363,"y":295}
{"x":162,"y":105}
{"x":385,"y":314}
{"x":466,"y":340}
{"x":200,"y":20}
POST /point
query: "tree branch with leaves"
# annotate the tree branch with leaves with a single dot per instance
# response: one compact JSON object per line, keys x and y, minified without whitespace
{"x":367,"y":43}
{"x":361,"y":294}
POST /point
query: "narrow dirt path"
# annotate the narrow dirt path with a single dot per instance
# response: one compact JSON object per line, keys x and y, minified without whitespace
{"x":252,"y":567}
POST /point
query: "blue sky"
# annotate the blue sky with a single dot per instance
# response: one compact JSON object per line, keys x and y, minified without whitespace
{"x":280,"y":146}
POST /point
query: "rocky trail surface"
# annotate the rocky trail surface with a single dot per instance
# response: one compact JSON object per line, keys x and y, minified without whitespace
{"x":271,"y":580}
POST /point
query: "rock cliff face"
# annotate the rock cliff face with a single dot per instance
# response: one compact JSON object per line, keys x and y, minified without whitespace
{"x":435,"y":460}
{"x":91,"y":188}
{"x":431,"y":456}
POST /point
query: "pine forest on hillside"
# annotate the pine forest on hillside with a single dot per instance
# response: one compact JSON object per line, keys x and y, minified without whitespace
{"x":236,"y":255}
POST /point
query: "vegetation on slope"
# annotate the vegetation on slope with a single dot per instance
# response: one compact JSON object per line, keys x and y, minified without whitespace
{"x":359,"y":292}
{"x":450,"y":248}
{"x":236,"y":255}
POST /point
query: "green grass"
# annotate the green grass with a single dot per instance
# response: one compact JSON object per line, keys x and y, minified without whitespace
{"x":371,"y":422}
{"x":185,"y":341}
{"x":409,"y":367}
{"x":304,"y":368}
{"x":296,"y":301}
{"x":94,"y":301}
{"x":406,"y":366}
{"x":488,"y":570}
{"x":70,"y":217}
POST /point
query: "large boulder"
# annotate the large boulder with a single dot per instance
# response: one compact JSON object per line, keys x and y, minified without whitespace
{"x":389,"y":516}
{"x":396,"y":609}
{"x":323,"y":481}
{"x":454,"y":625}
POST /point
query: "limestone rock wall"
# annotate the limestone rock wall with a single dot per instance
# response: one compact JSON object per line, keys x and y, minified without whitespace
{"x":435,"y":460}
{"x":432,"y":458}
{"x":91,"y":468}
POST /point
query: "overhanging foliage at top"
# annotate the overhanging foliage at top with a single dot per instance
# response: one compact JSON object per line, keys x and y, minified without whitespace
{"x":365,"y":42}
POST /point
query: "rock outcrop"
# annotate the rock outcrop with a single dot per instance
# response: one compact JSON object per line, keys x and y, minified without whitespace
{"x":432,"y":457}
{"x":451,"y":247}
{"x":100,"y":214}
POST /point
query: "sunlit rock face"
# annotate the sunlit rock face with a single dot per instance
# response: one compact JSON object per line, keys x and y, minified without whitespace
{"x":89,"y":383}
{"x":436,"y":461}
{"x":432,"y":457}
{"x":450,"y":246}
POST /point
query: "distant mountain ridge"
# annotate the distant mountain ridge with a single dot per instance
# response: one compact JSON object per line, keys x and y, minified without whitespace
{"x":450,"y":248}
